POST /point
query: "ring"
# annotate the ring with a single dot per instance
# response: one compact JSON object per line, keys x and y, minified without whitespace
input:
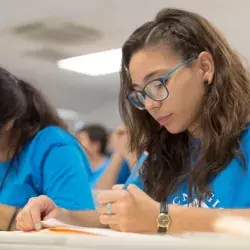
{"x":108,"y":208}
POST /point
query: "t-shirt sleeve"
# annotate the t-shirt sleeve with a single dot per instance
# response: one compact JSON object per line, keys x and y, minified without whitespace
{"x":65,"y":178}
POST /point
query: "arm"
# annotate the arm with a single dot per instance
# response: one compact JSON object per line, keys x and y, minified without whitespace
{"x":108,"y":179}
{"x":43,"y":208}
{"x":8,"y":214}
{"x":185,"y":219}
{"x":84,"y":219}
{"x":136,"y":212}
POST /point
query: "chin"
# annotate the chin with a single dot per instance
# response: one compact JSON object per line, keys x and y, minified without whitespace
{"x":173,"y":129}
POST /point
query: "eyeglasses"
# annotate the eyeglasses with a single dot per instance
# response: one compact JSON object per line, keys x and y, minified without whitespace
{"x":155,"y":90}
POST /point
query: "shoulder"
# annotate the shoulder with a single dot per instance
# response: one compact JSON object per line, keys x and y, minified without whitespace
{"x":49,"y":138}
{"x":54,"y":135}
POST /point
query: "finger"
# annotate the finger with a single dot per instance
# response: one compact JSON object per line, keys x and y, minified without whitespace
{"x":109,"y":219}
{"x":41,"y":205}
{"x":135,"y":191}
{"x":114,"y":227}
{"x":102,"y":209}
{"x":111,"y":196}
{"x":24,"y":220}
{"x":35,"y":208}
{"x":31,"y":214}
{"x":117,"y":187}
{"x":36,"y":218}
{"x":19,"y":227}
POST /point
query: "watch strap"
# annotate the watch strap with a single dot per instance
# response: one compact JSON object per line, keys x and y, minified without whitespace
{"x":163,"y":210}
{"x":164,"y":207}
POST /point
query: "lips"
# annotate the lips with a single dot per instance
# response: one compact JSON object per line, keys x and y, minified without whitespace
{"x":163,"y":119}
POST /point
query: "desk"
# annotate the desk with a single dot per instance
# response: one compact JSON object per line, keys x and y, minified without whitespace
{"x":37,"y":241}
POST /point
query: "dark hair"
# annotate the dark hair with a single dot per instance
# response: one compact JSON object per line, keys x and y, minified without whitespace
{"x":224,"y":112}
{"x":97,"y":133}
{"x":21,"y":103}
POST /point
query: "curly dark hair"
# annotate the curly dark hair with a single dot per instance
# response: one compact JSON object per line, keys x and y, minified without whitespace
{"x":224,"y":113}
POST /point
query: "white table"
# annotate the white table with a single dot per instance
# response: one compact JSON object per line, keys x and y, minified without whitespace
{"x":33,"y":241}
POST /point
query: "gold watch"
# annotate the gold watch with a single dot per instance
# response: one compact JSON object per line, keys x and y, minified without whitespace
{"x":163,"y":219}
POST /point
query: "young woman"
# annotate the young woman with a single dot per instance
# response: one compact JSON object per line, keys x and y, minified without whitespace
{"x":37,"y":155}
{"x":189,"y":106}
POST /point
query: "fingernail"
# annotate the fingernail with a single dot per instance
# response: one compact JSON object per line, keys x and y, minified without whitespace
{"x":37,"y":226}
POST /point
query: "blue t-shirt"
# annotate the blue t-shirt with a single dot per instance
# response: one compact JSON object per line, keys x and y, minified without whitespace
{"x":99,"y":171}
{"x":53,"y":164}
{"x":230,"y":188}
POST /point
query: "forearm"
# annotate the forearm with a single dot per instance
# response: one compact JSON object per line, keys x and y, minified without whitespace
{"x":7,"y":218}
{"x":110,"y":176}
{"x":83,"y":218}
{"x":189,"y":219}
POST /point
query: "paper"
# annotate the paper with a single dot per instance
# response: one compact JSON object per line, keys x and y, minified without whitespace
{"x":53,"y":223}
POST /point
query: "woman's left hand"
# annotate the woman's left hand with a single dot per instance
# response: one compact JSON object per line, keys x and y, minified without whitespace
{"x":132,"y":210}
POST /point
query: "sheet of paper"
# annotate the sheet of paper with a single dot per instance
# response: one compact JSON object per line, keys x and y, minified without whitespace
{"x":53,"y":223}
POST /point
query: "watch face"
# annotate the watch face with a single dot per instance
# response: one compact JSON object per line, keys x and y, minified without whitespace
{"x":163,"y":220}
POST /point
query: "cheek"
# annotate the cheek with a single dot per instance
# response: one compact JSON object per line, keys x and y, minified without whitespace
{"x":185,"y":96}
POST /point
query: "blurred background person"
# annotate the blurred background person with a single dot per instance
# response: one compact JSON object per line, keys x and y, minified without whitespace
{"x":121,"y":162}
{"x":94,"y":139}
{"x":108,"y":154}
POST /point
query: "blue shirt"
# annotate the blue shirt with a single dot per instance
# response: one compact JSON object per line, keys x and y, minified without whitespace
{"x":53,"y":164}
{"x":99,"y":171}
{"x":230,"y":188}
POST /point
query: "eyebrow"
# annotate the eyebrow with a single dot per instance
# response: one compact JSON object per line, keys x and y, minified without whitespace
{"x":147,"y":77}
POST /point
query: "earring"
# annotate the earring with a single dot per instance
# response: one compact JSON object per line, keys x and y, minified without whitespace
{"x":206,"y":82}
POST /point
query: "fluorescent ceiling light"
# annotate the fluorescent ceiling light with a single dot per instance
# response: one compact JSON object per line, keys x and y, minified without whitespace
{"x":95,"y":64}
{"x":67,"y":114}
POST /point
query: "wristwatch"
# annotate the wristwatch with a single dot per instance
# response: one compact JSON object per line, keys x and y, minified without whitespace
{"x":163,"y":219}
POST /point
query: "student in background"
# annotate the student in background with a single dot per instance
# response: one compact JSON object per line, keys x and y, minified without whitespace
{"x":121,"y":162}
{"x":106,"y":170}
{"x":94,"y":139}
{"x":37,"y":154}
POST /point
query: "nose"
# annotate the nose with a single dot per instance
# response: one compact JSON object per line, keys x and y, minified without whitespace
{"x":151,"y":104}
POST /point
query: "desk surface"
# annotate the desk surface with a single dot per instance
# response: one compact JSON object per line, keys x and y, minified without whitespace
{"x":37,"y":241}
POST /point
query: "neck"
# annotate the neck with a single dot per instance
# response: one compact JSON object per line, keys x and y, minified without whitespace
{"x":96,"y":160}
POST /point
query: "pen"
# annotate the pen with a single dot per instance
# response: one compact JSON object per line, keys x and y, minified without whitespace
{"x":135,"y":170}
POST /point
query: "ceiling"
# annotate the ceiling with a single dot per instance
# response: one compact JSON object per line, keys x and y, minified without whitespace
{"x":96,"y":98}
